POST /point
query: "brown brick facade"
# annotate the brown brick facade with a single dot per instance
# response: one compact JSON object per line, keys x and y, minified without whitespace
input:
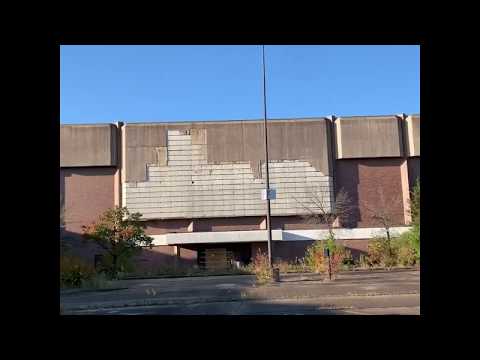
{"x":294,"y":223}
{"x":88,"y":192}
{"x":228,"y":224}
{"x":158,"y":227}
{"x":365,"y":180}
{"x":164,"y":256}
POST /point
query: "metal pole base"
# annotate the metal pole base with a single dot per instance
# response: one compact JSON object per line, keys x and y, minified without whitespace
{"x":276,"y":275}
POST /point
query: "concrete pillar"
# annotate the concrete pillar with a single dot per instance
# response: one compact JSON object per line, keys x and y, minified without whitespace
{"x":405,"y":191}
{"x":404,"y":168}
{"x":176,"y":253}
{"x":118,"y":173}
{"x":176,"y":250}
{"x":122,"y":157}
{"x":263,"y":224}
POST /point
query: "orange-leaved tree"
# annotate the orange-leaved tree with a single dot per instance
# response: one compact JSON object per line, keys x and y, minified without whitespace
{"x":121,"y":234}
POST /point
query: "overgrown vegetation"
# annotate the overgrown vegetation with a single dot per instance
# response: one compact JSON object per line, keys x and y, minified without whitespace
{"x":389,"y":250}
{"x":340,"y":257}
{"x":296,"y":266}
{"x":122,"y":235}
{"x":260,"y":266}
{"x":99,"y":281}
{"x":414,"y":233}
{"x":403,"y":250}
{"x":400,"y":253}
{"x":74,"y":271}
{"x":167,"y":271}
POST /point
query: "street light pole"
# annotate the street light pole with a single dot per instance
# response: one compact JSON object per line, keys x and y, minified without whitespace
{"x":269,"y":228}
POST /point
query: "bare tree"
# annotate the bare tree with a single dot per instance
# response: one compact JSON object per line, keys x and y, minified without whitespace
{"x":320,"y":210}
{"x":385,"y":212}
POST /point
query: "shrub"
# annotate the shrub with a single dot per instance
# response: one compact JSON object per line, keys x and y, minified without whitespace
{"x":407,"y":256}
{"x":363,"y":261}
{"x":261,"y":268}
{"x":399,"y":252}
{"x":283,"y":266}
{"x":336,"y":262}
{"x":318,"y":263}
{"x":381,"y":253}
{"x":124,"y":264}
{"x":291,"y":267}
{"x":405,"y":252}
{"x":348,"y":261}
{"x":74,"y":271}
{"x":97,"y":281}
{"x":314,"y":257}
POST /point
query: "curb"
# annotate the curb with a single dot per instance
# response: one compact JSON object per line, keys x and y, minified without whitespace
{"x":81,"y":291}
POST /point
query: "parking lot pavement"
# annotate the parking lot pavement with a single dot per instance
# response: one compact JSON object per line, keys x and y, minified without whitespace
{"x":239,"y":295}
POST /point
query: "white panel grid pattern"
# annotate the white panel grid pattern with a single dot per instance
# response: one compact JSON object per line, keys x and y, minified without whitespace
{"x":189,"y":187}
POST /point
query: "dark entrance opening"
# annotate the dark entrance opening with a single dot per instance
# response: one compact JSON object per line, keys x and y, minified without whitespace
{"x":223,"y":256}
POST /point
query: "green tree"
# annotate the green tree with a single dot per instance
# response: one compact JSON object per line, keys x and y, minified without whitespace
{"x":121,"y":234}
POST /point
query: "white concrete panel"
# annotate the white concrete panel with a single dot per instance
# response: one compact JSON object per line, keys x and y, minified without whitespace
{"x":189,"y":187}
{"x":277,"y":235}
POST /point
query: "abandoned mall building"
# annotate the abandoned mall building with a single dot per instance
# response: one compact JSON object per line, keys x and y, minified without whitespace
{"x":198,"y":185}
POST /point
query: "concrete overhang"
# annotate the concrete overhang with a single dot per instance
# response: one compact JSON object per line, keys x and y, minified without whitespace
{"x":277,"y":235}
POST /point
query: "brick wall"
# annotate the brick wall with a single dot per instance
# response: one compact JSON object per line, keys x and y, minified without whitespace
{"x":363,"y":179}
{"x":88,"y":192}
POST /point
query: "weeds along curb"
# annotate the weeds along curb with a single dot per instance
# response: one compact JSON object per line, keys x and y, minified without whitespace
{"x":153,"y":277}
{"x":177,"y":276}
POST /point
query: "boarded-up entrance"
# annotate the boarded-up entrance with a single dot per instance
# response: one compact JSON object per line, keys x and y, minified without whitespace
{"x":215,"y":259}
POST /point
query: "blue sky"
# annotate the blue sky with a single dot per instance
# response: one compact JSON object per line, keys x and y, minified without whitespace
{"x":175,"y":83}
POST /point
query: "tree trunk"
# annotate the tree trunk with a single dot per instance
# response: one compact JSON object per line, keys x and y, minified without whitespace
{"x":114,"y":265}
{"x":389,"y":244}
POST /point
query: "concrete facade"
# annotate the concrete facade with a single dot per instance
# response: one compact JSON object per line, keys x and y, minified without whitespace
{"x":369,"y":137}
{"x":198,"y":184}
{"x":88,"y":145}
{"x":187,"y":186}
{"x":412,"y":130}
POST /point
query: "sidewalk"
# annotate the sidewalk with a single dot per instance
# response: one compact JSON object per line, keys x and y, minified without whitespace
{"x":187,"y":291}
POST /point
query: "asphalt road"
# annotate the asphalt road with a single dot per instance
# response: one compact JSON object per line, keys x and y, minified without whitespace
{"x":361,"y":305}
{"x":376,"y":292}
